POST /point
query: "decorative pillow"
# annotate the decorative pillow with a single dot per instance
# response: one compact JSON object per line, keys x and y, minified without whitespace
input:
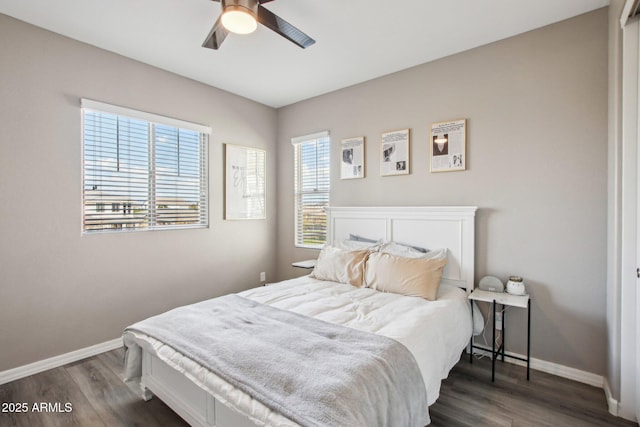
{"x":408,"y":251}
{"x":340,"y":265}
{"x":416,"y":277}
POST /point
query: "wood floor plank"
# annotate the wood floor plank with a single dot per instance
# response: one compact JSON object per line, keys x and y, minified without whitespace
{"x":162,"y":415}
{"x":47,"y":395}
{"x":114,"y":360}
{"x":8,"y":395}
{"x":114,"y":401}
{"x":468,"y":398}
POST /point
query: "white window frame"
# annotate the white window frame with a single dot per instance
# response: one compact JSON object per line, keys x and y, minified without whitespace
{"x":152,"y":119}
{"x":298,"y":178}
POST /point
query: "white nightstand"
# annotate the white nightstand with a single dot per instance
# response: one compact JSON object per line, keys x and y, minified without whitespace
{"x":504,"y":299}
{"x":308,"y":264}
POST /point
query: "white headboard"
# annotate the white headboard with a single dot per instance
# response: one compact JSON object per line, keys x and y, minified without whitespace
{"x":429,"y":227}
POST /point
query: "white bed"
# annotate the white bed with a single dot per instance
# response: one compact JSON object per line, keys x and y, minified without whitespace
{"x":435,"y":332}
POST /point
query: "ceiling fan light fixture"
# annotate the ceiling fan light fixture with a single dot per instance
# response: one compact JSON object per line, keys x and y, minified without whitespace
{"x":239,"y":19}
{"x":243,"y":16}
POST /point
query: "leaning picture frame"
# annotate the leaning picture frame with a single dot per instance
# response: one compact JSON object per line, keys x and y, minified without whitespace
{"x":244,"y":183}
{"x":448,"y":146}
{"x":352,"y":158}
{"x":394,"y":153}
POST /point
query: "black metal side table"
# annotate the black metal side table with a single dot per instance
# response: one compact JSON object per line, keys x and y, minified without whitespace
{"x":504,"y":299}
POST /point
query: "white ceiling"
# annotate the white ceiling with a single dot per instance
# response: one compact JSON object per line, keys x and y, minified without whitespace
{"x":356,"y":40}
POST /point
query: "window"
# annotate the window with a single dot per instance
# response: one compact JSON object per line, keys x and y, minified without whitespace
{"x":151,"y":170}
{"x":311,"y":189}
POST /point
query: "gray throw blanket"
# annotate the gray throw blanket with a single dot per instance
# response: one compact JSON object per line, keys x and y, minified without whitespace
{"x":313,"y":372}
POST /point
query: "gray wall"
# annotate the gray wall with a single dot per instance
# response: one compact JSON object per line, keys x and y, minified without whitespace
{"x":536,"y":110}
{"x":614,"y":181}
{"x":61,"y":291}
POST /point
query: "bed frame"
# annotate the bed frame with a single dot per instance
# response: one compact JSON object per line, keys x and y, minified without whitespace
{"x":427,"y":227}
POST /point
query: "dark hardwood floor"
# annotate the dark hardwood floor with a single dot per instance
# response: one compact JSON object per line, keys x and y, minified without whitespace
{"x":98,"y":397}
{"x":469,"y":398}
{"x":96,"y":392}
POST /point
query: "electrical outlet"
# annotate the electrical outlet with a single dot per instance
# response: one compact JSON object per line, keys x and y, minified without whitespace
{"x":499,"y":321}
{"x":263,"y":276}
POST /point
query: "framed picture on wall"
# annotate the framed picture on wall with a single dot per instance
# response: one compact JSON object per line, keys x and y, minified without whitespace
{"x":352,"y":159}
{"x":448,"y":146}
{"x":394,"y":153}
{"x":244,"y":182}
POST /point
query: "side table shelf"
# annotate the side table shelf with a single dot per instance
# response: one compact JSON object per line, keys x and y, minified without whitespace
{"x":308,"y":264}
{"x":505,"y":300}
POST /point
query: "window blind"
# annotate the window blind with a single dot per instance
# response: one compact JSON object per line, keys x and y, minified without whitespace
{"x":312,"y":189}
{"x":142,"y":174}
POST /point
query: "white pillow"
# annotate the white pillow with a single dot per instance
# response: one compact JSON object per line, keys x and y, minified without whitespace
{"x":356,"y":245}
{"x":362,"y":239}
{"x":399,"y":249}
{"x":436,"y":254}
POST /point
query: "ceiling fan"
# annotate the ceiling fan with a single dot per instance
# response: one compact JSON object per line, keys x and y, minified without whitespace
{"x":242,"y":17}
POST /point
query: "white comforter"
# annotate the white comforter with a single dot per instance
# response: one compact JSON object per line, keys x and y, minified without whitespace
{"x":435,"y":332}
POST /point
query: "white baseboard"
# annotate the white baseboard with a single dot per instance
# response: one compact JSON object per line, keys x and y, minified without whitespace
{"x":553,"y":369}
{"x":57,"y":361}
{"x":614,"y":406}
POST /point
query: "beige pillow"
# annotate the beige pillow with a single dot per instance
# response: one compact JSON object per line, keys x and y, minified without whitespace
{"x":340,"y":265}
{"x":416,"y":277}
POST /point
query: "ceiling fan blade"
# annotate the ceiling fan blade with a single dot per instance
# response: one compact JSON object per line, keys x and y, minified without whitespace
{"x":260,"y":1}
{"x":216,"y":36}
{"x":282,"y":27}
